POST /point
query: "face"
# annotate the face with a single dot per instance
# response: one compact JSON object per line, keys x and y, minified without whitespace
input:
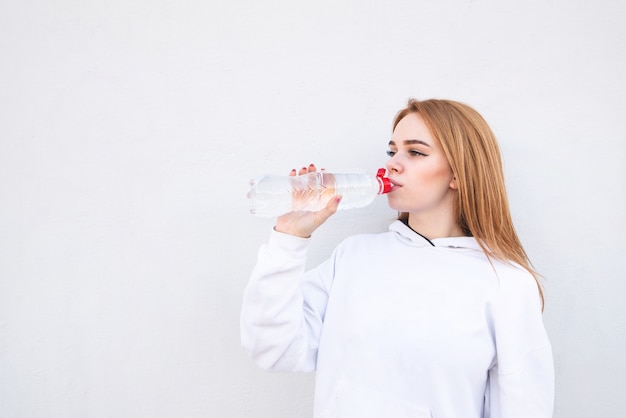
{"x":422,"y":179}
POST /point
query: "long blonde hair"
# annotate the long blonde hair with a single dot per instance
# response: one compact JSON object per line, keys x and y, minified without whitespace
{"x":481,"y":206}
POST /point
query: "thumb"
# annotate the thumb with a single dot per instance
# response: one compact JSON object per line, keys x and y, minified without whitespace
{"x":318,"y":218}
{"x":330,"y":209}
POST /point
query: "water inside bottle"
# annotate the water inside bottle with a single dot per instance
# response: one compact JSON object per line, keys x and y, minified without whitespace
{"x":312,"y":191}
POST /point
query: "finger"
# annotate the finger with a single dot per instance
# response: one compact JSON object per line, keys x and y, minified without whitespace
{"x":312,"y":168}
{"x":292,"y":172}
{"x":303,"y":170}
{"x":329,"y":210}
{"x":334,"y":204}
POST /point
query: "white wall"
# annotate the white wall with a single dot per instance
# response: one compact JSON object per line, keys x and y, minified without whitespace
{"x":129,"y":131}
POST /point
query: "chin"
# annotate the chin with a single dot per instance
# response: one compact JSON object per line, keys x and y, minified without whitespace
{"x":395,"y":205}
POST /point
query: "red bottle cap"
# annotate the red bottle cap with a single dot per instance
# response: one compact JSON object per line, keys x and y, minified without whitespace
{"x":385,"y":183}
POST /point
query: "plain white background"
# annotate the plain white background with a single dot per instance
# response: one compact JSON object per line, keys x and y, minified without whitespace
{"x":129,"y":131}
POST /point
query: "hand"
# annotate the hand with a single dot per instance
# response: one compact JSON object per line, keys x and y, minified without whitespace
{"x":304,"y":223}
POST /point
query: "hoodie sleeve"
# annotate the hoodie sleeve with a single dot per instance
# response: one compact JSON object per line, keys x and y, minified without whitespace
{"x":283,"y":307}
{"x":521,"y":382}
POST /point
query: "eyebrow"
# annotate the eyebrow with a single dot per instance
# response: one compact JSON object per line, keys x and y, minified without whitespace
{"x":411,"y":142}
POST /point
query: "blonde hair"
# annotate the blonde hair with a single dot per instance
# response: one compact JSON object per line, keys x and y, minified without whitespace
{"x":481,"y":205}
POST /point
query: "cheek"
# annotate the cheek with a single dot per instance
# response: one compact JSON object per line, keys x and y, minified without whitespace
{"x":437,"y":173}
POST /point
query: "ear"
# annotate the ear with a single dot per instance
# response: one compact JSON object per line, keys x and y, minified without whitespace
{"x":454,"y":185}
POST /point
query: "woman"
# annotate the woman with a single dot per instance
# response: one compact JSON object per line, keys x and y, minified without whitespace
{"x":439,"y":317}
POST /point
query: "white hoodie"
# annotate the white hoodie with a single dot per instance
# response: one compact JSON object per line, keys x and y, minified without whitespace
{"x":396,"y":327}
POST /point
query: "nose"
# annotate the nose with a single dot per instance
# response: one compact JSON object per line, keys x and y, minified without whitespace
{"x":393,"y":165}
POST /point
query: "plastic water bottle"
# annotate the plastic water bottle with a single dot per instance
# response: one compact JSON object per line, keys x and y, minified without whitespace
{"x":275,"y":195}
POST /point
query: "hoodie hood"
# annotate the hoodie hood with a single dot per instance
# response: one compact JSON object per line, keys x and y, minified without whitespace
{"x":409,"y":237}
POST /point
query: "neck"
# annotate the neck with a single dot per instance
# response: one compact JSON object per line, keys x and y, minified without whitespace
{"x":433,"y":228}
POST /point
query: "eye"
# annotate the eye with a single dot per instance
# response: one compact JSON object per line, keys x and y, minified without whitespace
{"x":391,"y":153}
{"x":416,"y":153}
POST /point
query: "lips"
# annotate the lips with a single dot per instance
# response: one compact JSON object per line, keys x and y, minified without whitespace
{"x":394,"y":184}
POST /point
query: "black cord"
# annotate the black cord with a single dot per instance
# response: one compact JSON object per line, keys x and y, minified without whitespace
{"x":406,"y":222}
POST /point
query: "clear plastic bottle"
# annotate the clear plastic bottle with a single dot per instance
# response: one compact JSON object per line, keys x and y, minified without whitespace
{"x":275,"y":195}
